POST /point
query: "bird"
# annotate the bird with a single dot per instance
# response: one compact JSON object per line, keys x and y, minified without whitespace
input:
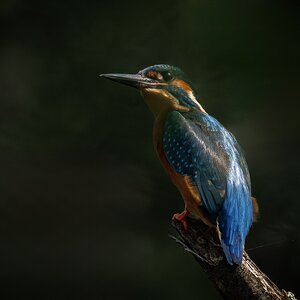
{"x":202,"y":158}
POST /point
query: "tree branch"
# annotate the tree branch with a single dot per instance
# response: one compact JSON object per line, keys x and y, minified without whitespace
{"x":246,"y":281}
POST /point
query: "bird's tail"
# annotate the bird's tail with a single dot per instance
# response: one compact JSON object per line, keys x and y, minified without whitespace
{"x":233,"y":253}
{"x":235,"y":219}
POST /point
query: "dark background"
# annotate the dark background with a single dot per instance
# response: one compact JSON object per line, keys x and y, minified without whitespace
{"x":85,"y":206}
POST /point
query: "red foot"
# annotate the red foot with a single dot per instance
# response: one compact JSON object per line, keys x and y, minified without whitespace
{"x":182,"y":218}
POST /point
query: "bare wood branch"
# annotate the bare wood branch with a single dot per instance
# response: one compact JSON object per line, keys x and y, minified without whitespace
{"x":246,"y":281}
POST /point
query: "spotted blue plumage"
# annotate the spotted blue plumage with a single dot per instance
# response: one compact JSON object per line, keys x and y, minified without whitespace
{"x":198,"y":146}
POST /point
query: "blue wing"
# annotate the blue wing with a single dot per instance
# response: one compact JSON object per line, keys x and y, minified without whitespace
{"x":198,"y":146}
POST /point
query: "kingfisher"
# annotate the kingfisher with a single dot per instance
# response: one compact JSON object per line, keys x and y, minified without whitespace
{"x":202,"y":158}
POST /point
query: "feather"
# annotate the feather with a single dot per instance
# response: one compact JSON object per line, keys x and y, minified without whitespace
{"x":198,"y":146}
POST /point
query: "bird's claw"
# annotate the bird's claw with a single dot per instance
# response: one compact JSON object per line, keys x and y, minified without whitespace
{"x":181,"y":217}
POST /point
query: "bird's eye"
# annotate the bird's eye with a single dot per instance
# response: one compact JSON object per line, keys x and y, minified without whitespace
{"x":167,"y":76}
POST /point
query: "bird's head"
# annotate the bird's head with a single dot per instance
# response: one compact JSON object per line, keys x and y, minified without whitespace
{"x":163,"y":87}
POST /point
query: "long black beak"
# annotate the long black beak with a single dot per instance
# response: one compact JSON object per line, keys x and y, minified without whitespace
{"x":135,"y":80}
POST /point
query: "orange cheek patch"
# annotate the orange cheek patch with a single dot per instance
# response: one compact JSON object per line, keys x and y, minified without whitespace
{"x":181,"y":84}
{"x":152,"y":74}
